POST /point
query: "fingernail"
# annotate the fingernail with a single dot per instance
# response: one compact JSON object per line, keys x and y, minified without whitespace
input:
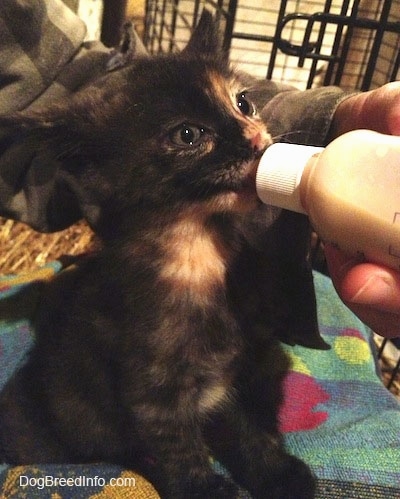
{"x":376,"y":290}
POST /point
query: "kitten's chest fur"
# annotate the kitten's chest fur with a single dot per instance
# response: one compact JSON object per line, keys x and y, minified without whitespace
{"x":195,"y":259}
{"x":194,"y":339}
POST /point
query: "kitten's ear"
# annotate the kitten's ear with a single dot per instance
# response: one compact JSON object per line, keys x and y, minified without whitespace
{"x":206,"y":37}
{"x":129,"y":48}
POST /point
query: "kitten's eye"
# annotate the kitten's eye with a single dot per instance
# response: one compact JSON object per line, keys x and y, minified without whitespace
{"x":244,"y":105}
{"x":187,"y":135}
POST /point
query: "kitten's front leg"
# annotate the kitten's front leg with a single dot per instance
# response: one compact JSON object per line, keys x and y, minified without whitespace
{"x":253,"y":448}
{"x":180,"y":461}
{"x":257,"y":460}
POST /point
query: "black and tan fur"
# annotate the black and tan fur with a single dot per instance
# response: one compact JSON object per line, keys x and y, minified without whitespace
{"x":163,"y":348}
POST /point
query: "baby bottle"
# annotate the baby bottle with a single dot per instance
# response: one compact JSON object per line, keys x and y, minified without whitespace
{"x":350,"y":190}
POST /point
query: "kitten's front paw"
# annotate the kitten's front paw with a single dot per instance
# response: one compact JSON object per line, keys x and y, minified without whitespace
{"x":293,"y":480}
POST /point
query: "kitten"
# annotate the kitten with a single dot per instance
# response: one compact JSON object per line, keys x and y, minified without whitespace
{"x":163,"y":348}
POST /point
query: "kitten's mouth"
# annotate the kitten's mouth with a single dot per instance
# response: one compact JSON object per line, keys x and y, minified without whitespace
{"x":248,"y":183}
{"x":240,"y":194}
{"x":242,"y":197}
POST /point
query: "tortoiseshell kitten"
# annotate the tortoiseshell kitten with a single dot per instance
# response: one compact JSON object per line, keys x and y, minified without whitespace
{"x":163,"y":348}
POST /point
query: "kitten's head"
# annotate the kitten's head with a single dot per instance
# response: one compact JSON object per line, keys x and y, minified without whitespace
{"x":165,"y":132}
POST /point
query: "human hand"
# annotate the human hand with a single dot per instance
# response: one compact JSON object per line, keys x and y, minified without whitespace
{"x":371,"y":291}
{"x":378,"y":110}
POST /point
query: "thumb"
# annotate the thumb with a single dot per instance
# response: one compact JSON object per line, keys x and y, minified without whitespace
{"x":366,"y":284}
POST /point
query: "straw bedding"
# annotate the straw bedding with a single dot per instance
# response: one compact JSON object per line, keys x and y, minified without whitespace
{"x":23,"y":249}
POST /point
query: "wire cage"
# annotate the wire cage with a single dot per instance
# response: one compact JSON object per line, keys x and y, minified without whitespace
{"x":351,"y":43}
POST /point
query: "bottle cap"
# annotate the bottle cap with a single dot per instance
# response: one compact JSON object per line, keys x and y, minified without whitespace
{"x":279,"y":173}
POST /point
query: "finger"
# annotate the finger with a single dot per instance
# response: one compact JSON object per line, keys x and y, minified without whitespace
{"x":381,"y":109}
{"x":339,"y":263}
{"x":393,"y":107}
{"x":378,"y":110}
{"x":385,"y":324}
{"x":375,"y":288}
{"x":372,"y":285}
{"x":364,"y":283}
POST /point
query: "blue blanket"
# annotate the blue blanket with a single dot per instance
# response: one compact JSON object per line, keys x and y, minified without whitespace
{"x":338,"y":416}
